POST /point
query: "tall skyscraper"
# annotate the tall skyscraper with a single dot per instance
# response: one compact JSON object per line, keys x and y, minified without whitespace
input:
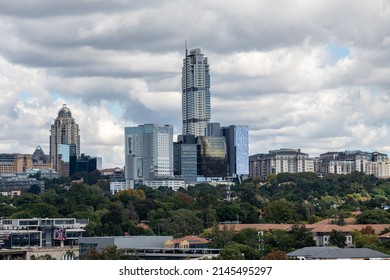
{"x":64,"y":131}
{"x":196,"y":108}
{"x":149,"y":152}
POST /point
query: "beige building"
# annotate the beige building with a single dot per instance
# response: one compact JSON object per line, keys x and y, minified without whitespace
{"x":19,"y":163}
{"x":280,"y":161}
{"x":15,"y":163}
{"x":375,"y":163}
{"x":64,"y":131}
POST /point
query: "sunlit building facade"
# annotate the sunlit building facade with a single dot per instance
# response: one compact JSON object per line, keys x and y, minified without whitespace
{"x":280,"y":161}
{"x":212,"y":156}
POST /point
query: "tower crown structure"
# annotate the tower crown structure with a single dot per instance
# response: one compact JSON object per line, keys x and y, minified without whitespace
{"x":64,"y":112}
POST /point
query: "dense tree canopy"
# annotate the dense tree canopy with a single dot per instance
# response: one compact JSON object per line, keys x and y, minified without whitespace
{"x":282,"y":198}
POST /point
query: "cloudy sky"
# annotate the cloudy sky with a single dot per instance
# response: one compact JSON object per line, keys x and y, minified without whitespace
{"x":302,"y":74}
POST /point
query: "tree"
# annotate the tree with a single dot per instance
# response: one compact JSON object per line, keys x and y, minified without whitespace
{"x":247,"y":193}
{"x":179,"y":223}
{"x":126,"y":196}
{"x":206,"y":195}
{"x":373,"y":217}
{"x":221,"y":236}
{"x":86,"y":195}
{"x":275,"y":255}
{"x":35,"y":189}
{"x":231,"y":252}
{"x":229,"y":212}
{"x":281,"y":211}
{"x":364,"y":238}
{"x":143,"y":207}
{"x":248,"y":236}
{"x":279,"y":240}
{"x":337,"y":238}
{"x":27,"y":199}
{"x":44,"y":210}
{"x":303,"y":236}
{"x":132,"y":228}
{"x":50,"y":196}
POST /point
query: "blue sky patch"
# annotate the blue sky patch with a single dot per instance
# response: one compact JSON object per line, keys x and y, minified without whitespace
{"x":337,"y":52}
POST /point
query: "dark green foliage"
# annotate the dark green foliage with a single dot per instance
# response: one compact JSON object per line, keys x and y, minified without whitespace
{"x":220,"y":237}
{"x":284,"y":198}
{"x":281,"y":211}
{"x":179,"y":223}
{"x":337,"y":238}
{"x":374,"y":217}
{"x":35,"y":189}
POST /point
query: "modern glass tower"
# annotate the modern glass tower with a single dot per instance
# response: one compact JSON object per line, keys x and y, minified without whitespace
{"x":65,"y":131}
{"x":195,"y":93}
{"x":149,"y":152}
{"x":237,"y":142}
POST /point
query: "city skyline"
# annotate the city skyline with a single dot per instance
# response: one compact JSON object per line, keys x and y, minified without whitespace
{"x":299,"y":74}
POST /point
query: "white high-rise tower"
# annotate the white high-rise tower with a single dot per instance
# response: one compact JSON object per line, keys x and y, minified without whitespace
{"x":195,"y":93}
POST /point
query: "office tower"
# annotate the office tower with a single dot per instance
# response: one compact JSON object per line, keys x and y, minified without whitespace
{"x":86,"y":163}
{"x":64,"y":131}
{"x":237,"y":144}
{"x":185,"y":152}
{"x":149,"y":152}
{"x":195,"y":93}
{"x":64,"y":161}
{"x":213,"y":129}
{"x":212,"y":156}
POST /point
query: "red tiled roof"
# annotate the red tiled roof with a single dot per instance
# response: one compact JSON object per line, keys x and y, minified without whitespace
{"x":348,"y":221}
{"x":239,"y":227}
{"x":386,"y":235}
{"x":378,"y":228}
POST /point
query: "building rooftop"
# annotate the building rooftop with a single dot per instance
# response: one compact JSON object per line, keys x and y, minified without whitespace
{"x":337,"y":253}
{"x":318,"y":227}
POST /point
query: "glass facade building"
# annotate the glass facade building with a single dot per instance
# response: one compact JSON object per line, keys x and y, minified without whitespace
{"x":185,"y":158}
{"x":237,"y":142}
{"x":212,"y":156}
{"x":149,"y":152}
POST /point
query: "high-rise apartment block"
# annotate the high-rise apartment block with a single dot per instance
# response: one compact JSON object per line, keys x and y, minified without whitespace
{"x":280,"y":161}
{"x":64,"y":131}
{"x":349,"y":161}
{"x":196,"y":108}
